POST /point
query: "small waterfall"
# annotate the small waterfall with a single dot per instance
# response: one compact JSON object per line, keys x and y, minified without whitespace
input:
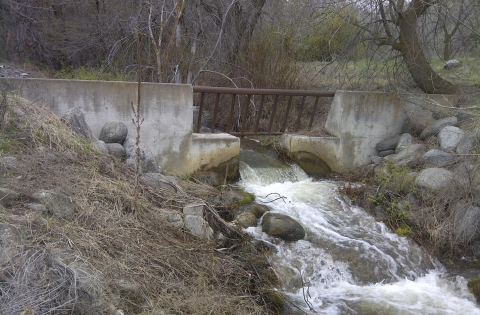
{"x":348,"y":263}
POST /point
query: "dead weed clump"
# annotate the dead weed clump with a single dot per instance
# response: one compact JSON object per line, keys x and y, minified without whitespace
{"x":144,"y":265}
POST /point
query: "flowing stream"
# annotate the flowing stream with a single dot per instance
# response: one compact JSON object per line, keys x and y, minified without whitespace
{"x":347,"y":263}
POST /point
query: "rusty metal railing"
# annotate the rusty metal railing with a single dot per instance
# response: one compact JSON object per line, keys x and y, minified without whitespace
{"x":244,"y":112}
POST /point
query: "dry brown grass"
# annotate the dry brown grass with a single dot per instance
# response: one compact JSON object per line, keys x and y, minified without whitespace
{"x":175,"y":272}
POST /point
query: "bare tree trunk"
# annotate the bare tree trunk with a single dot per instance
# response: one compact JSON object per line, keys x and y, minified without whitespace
{"x":410,"y":47}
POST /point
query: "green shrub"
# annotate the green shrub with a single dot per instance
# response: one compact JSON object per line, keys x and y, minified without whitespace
{"x":394,"y":184}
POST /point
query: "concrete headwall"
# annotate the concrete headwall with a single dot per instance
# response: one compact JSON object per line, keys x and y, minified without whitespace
{"x":358,"y":121}
{"x":167,"y":110}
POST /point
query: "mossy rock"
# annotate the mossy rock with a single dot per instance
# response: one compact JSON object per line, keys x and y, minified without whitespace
{"x":474,"y":288}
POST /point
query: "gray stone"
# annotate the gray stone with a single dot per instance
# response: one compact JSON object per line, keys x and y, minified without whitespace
{"x":148,"y":163}
{"x":376,"y":159}
{"x":8,"y":196}
{"x":116,"y":150}
{"x":386,"y":153}
{"x":434,"y":129}
{"x":113,"y":132}
{"x":56,"y":203}
{"x":405,"y":140}
{"x":388,"y":144}
{"x":438,"y":158}
{"x":453,"y":63}
{"x":259,"y":210}
{"x":467,"y":171}
{"x":465,"y":145}
{"x":246,"y":219}
{"x":172,"y":217}
{"x":282,"y":226}
{"x":418,"y":118}
{"x":434,"y":180}
{"x":194,"y":209}
{"x":198,"y":227}
{"x":449,"y":137}
{"x":160,"y":181}
{"x":102,"y":146}
{"x":410,"y":156}
{"x":466,"y":221}
{"x":76,"y":119}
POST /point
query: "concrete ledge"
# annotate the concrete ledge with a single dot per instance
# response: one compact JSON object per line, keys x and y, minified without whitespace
{"x":219,"y":152}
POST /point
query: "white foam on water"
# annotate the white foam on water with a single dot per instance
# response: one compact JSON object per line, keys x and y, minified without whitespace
{"x":348,"y":262}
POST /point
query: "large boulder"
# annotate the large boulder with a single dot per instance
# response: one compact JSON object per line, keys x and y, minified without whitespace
{"x":410,"y":156}
{"x":417,"y":118}
{"x":388,"y":144}
{"x":116,"y":150}
{"x":434,"y":129}
{"x":113,"y":132}
{"x":102,"y":146}
{"x":438,"y":158}
{"x":282,"y":226}
{"x":434,"y":180}
{"x":449,"y":137}
{"x":246,"y":219}
{"x":405,"y":140}
{"x":148,"y":163}
{"x":76,"y":119}
{"x":465,"y":145}
{"x":467,"y":216}
{"x":198,"y":226}
{"x":259,"y":210}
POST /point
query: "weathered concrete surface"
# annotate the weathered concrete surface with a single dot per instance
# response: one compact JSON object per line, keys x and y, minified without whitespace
{"x":219,"y":152}
{"x":167,"y":110}
{"x":325,"y":149}
{"x":358,"y":120}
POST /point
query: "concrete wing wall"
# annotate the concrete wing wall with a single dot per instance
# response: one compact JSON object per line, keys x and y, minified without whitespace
{"x":166,"y":108}
{"x":361,"y":120}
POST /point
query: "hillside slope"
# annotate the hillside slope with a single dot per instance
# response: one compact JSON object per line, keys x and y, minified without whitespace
{"x":114,"y":253}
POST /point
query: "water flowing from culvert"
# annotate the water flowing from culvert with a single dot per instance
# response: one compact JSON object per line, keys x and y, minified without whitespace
{"x":348,"y":263}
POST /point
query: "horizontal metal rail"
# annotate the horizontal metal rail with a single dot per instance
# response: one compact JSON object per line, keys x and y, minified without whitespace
{"x":244,"y":113}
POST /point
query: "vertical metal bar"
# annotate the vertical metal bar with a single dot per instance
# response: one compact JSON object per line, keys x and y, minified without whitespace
{"x":245,"y":113}
{"x":259,"y":114}
{"x":200,"y":111}
{"x":313,"y":113}
{"x":300,"y":112}
{"x":215,"y":112}
{"x":284,"y":127}
{"x":230,"y":116}
{"x":274,"y":111}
